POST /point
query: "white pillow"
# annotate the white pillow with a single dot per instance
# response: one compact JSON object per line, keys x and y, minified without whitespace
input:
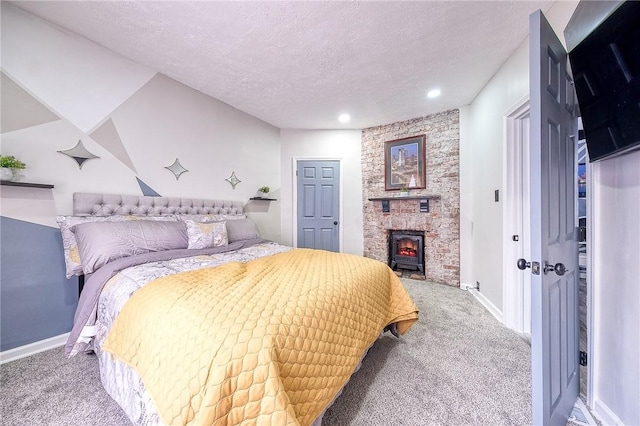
{"x":206,"y":235}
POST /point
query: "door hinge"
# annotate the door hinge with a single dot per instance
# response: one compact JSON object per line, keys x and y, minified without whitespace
{"x":583,"y":358}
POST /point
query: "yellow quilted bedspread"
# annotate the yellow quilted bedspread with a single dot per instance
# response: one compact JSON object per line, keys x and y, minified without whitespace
{"x":270,"y":342}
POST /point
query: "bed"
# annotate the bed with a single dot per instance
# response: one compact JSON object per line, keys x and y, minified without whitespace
{"x":195,"y":319}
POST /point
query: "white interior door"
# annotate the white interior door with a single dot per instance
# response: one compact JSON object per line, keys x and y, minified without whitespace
{"x":554,"y":258}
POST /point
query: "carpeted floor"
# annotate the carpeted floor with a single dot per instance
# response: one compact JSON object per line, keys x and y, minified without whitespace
{"x":49,"y":389}
{"x":457,"y":366}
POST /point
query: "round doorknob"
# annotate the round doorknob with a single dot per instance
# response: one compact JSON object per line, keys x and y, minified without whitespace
{"x":523,"y":264}
{"x":335,"y":222}
{"x":558,"y":268}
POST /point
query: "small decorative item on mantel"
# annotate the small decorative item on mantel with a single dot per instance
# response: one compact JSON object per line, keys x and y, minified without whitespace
{"x":10,"y":167}
{"x":404,"y":191}
{"x":263,"y":192}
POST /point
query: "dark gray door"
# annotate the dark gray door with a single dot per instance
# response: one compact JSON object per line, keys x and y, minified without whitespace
{"x":318,"y":204}
{"x":554,"y":260}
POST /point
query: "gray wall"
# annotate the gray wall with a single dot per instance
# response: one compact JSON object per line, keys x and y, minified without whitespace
{"x":36,"y":300}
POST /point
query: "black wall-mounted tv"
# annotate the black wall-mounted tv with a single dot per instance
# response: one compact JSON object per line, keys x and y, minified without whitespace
{"x":606,"y":70}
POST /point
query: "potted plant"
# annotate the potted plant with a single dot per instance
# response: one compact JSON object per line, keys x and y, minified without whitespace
{"x":8,"y":165}
{"x":263,"y":191}
{"x":404,"y":191}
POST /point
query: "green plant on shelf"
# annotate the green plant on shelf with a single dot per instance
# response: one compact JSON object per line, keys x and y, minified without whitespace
{"x":11,"y":162}
{"x":264,"y":189}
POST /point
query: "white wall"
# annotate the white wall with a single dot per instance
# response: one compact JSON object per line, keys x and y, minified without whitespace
{"x":615,"y":249}
{"x":343,"y":145}
{"x":156,"y":120}
{"x":484,"y":125}
{"x":482,"y":139}
{"x":76,"y":78}
{"x":137,"y":121}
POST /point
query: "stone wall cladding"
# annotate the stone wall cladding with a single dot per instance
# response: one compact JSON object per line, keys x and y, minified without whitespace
{"x":442,"y":223}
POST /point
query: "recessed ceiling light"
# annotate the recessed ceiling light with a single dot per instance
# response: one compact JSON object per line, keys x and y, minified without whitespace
{"x":434,"y":93}
{"x":344,"y":118}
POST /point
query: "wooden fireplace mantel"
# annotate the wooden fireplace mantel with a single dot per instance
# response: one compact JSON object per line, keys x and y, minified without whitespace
{"x":409,"y":197}
{"x":423,"y":201}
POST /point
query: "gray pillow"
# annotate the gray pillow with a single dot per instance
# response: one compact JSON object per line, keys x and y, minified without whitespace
{"x":72,"y":260}
{"x":242,"y":229}
{"x":102,"y":242}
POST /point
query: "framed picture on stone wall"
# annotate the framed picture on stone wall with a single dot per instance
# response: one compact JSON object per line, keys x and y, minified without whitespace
{"x":404,"y":163}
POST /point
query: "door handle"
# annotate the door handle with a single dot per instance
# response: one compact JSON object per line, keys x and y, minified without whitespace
{"x":558,"y":268}
{"x":335,"y":222}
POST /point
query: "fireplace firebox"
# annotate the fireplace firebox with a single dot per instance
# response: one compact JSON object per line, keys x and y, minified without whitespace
{"x":406,"y":250}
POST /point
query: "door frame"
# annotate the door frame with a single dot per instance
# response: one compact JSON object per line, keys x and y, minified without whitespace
{"x":294,"y":207}
{"x":516,"y":300}
{"x":592,"y":250}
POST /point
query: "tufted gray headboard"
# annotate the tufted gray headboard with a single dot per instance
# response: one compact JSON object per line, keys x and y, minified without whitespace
{"x":86,"y":204}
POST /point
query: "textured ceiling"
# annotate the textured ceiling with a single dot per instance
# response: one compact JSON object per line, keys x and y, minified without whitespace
{"x":300,"y":64}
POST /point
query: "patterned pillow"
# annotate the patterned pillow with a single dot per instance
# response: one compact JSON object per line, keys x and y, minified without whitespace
{"x":205,"y":235}
{"x":72,"y":260}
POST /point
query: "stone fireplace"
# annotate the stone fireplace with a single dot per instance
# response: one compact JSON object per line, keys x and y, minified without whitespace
{"x":440,"y":223}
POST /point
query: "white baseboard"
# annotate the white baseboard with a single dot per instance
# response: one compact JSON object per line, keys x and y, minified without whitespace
{"x":604,"y":414}
{"x":497,"y":313}
{"x":33,"y":348}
